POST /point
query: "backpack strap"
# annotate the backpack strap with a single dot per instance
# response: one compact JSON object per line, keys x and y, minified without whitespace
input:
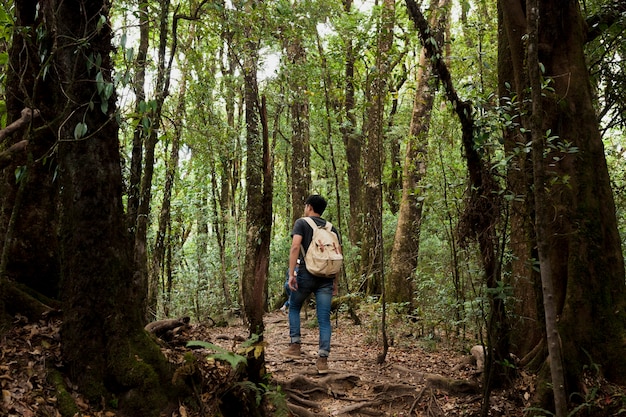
{"x":328,"y":226}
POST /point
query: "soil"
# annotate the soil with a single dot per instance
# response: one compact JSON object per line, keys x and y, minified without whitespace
{"x":417,"y":378}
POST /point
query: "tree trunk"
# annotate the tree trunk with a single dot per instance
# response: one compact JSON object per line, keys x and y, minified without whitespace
{"x":28,"y":224}
{"x":300,"y":139}
{"x":583,"y":246}
{"x":106,"y":351}
{"x":543,"y":214}
{"x":372,"y":250}
{"x":480,"y":218}
{"x":404,"y":254}
{"x":259,"y":198}
{"x":141,"y":130}
{"x":145,"y":199}
{"x":353,"y":142}
{"x":164,"y":225}
{"x":527,"y":324}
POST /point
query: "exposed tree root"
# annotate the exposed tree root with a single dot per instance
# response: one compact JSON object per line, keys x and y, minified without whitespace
{"x":304,"y":391}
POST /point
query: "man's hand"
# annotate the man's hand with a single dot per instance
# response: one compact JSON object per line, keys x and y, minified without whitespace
{"x":293,"y":282}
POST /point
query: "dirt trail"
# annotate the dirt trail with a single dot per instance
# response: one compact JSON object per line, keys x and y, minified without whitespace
{"x":411,"y":381}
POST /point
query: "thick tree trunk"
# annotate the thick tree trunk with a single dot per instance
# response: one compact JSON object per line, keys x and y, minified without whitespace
{"x":106,"y":351}
{"x":583,"y":246}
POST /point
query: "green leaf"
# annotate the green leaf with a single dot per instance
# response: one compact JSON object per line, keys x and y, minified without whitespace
{"x":80,"y":130}
{"x":223,"y":355}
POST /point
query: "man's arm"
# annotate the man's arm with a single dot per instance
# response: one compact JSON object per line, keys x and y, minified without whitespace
{"x":294,"y":253}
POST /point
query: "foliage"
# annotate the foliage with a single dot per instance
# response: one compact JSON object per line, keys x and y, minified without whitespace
{"x":209,"y":191}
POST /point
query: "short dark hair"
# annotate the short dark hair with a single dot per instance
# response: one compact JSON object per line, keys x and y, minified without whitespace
{"x":317,"y":202}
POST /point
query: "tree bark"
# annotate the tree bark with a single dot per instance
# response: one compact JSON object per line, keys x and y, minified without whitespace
{"x":259,"y":198}
{"x":300,"y":139}
{"x":480,"y":218}
{"x":372,"y":250}
{"x":106,"y":351}
{"x":582,"y":246}
{"x":405,"y":250}
{"x":353,"y":142}
{"x":142,"y":110}
{"x":164,"y":69}
{"x":28,"y":224}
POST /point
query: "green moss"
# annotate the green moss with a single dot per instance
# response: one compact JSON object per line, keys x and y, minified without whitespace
{"x":140,"y":375}
{"x":66,"y":404}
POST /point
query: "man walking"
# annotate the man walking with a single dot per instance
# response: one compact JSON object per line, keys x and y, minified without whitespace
{"x":302,"y":283}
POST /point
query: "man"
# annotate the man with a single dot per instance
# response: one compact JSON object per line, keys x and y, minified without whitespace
{"x":302,"y":283}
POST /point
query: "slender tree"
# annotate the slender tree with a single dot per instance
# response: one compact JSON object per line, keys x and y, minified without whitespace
{"x":372,"y":249}
{"x":259,"y":196}
{"x":404,"y":254}
{"x":352,"y":138}
{"x":296,"y":59}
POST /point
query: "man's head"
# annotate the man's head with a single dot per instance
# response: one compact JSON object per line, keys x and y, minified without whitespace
{"x":317,"y":202}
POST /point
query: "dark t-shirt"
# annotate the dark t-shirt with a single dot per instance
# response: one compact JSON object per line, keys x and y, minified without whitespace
{"x":302,"y":228}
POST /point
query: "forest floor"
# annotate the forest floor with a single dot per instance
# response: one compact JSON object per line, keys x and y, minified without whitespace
{"x":418,"y":377}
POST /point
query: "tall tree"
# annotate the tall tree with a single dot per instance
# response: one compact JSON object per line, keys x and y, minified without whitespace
{"x":372,"y":249}
{"x":142,"y":123}
{"x":481,"y":215}
{"x":576,"y":216}
{"x":259,"y":191}
{"x":404,"y":253}
{"x":352,"y":138}
{"x":107,"y":355}
{"x":296,"y":59}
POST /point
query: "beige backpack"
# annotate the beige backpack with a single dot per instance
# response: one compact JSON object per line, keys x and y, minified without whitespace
{"x":323,"y":258}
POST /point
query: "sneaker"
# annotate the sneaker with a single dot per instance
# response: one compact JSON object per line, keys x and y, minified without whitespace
{"x":322,"y":365}
{"x":293,"y":352}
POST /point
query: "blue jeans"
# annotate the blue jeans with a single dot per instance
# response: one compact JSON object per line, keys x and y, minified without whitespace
{"x":323,"y":290}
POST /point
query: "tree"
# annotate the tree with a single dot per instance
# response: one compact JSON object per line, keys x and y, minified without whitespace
{"x":576,"y":215}
{"x":295,"y":69}
{"x":480,"y":218}
{"x":106,"y":351}
{"x":372,"y":249}
{"x":259,"y":195}
{"x":352,"y":138}
{"x":404,"y":253}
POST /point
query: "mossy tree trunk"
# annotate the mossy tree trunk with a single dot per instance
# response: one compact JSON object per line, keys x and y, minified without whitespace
{"x":583,"y":247}
{"x":106,"y":351}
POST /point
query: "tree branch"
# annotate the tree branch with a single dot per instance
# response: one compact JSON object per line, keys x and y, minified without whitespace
{"x":9,"y":155}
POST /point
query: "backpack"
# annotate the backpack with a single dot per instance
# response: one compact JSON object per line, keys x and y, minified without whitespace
{"x":323,"y":258}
